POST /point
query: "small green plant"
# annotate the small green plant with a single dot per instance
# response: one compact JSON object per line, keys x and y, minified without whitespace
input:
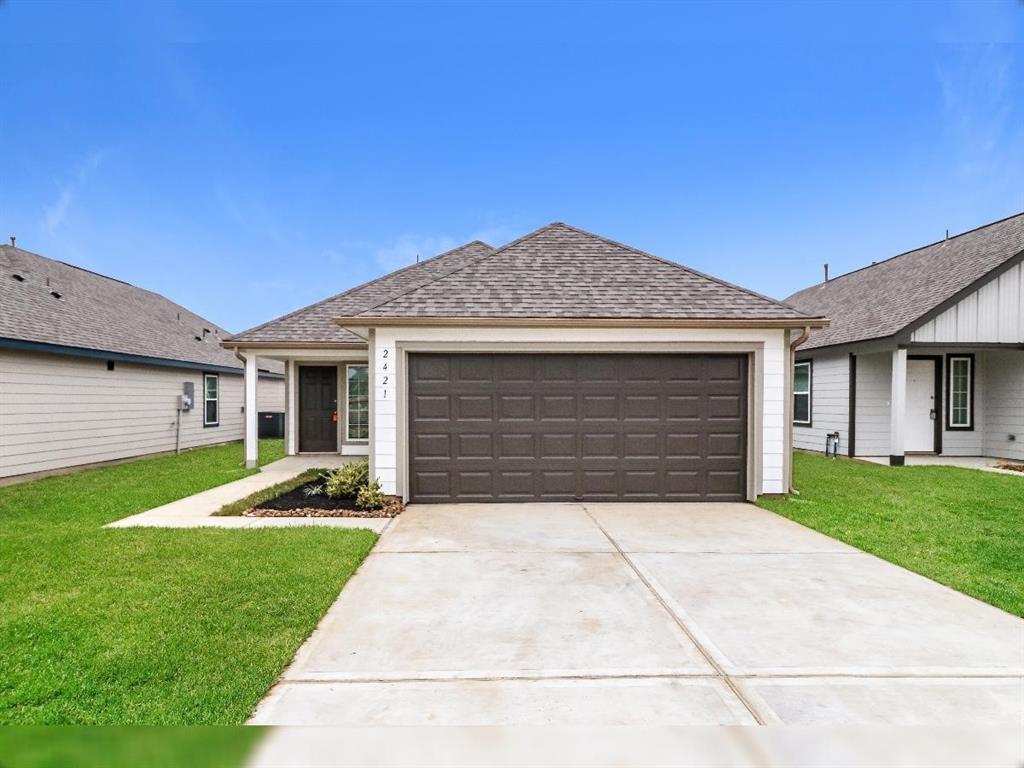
{"x":347,"y":480}
{"x":371,"y":496}
{"x":313,"y":490}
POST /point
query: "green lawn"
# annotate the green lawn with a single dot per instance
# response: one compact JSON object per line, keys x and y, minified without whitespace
{"x":960,"y":527}
{"x":152,"y":626}
{"x":75,"y":746}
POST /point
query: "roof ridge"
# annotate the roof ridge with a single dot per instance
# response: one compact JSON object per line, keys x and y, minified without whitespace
{"x":683,"y":267}
{"x":359,"y":287}
{"x":69,"y":265}
{"x":912,"y":250}
{"x":493,"y":252}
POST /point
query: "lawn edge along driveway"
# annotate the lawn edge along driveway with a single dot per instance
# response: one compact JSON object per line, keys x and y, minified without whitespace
{"x":153,"y":626}
{"x":959,"y":527}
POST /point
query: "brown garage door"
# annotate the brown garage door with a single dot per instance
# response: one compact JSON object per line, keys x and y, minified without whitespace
{"x":563,"y":427}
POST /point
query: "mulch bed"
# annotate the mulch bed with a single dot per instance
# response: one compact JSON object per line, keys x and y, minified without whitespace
{"x":295,"y":503}
{"x":1011,"y":467}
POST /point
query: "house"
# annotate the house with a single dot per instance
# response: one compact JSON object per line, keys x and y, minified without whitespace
{"x":924,"y":355}
{"x":91,"y":370}
{"x":560,"y":366}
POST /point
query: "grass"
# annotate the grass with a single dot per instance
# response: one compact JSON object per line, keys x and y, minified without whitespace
{"x":152,"y":626}
{"x":127,"y":747}
{"x":250,"y":501}
{"x":961,"y":527}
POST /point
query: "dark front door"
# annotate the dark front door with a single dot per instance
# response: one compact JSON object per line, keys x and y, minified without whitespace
{"x":559,"y":427}
{"x":318,"y":408}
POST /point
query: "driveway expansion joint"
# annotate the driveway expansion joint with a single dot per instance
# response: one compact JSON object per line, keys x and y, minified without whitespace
{"x":708,"y":657}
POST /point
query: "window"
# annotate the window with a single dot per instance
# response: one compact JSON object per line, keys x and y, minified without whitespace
{"x":358,"y":403}
{"x":960,"y":378}
{"x":802,"y":394}
{"x":211,"y":400}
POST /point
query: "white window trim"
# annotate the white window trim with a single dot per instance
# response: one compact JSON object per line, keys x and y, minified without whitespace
{"x":347,"y":439}
{"x":208,"y":399}
{"x":810,"y":386}
{"x":969,"y":423}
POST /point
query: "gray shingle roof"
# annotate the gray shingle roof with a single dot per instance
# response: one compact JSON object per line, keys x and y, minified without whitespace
{"x":100,"y":313}
{"x":885,"y":298}
{"x":315,"y":323}
{"x":559,"y":271}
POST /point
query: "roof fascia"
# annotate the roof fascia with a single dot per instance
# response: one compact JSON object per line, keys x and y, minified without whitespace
{"x":61,"y":349}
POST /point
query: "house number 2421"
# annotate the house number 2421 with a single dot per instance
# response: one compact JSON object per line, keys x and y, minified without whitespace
{"x":384,"y":380}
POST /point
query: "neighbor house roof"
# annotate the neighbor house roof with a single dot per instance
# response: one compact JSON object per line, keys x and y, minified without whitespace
{"x":887,"y":298}
{"x":315,"y":324}
{"x":46,"y":303}
{"x":556,"y":273}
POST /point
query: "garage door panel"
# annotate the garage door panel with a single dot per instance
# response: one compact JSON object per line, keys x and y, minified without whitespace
{"x":641,"y":446}
{"x":431,"y":407}
{"x":558,"y":446}
{"x":600,"y":445}
{"x":474,"y":407}
{"x":641,"y":407}
{"x":558,"y":407}
{"x":556,"y":368}
{"x":725,"y":407}
{"x":600,"y":407}
{"x":683,"y":446}
{"x":516,"y":369}
{"x":518,"y":426}
{"x":516,"y":407}
{"x":557,"y":484}
{"x":724,"y":446}
{"x":430,"y":446}
{"x":722,"y":483}
{"x":683,"y":407}
{"x":475,"y":446}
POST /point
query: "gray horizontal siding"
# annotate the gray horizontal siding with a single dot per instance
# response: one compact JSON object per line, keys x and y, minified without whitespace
{"x":58,"y":411}
{"x":830,"y":404}
{"x":1004,"y":404}
{"x":874,"y":392}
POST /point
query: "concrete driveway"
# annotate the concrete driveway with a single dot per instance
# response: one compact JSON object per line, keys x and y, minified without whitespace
{"x":643,"y":614}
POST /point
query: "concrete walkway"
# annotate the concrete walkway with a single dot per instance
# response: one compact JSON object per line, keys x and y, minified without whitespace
{"x":653,"y":615}
{"x":984,"y":463}
{"x":197,"y":511}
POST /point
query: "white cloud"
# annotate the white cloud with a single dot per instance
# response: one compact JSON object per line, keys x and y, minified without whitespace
{"x":978,"y":104}
{"x":56,"y":213}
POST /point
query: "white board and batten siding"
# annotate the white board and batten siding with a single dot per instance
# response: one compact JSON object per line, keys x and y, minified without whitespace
{"x":58,"y":411}
{"x":993,"y":314}
{"x":830,"y":404}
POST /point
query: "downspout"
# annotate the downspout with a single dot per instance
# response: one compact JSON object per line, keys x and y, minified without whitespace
{"x":800,"y":339}
{"x":805,"y":334}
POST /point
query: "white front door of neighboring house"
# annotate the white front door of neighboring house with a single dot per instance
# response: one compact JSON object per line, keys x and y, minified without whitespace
{"x":921,"y":407}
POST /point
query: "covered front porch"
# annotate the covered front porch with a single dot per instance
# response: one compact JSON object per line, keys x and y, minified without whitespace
{"x":327,"y":400}
{"x":945,"y":401}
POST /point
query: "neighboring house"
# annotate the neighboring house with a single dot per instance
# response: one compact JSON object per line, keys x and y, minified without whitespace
{"x":91,"y":369}
{"x":560,"y":366}
{"x":925,"y":352}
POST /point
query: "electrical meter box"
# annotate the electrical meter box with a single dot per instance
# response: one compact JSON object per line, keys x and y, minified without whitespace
{"x":187,"y":398}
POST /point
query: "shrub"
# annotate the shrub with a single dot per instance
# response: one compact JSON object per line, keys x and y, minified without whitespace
{"x":347,"y":480}
{"x":371,"y":496}
{"x":313,"y":490}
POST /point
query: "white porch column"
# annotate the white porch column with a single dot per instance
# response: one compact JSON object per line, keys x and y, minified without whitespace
{"x":251,"y":431}
{"x":291,"y":407}
{"x":898,"y":407}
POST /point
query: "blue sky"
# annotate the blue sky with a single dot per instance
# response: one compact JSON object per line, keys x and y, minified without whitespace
{"x":246,"y":160}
